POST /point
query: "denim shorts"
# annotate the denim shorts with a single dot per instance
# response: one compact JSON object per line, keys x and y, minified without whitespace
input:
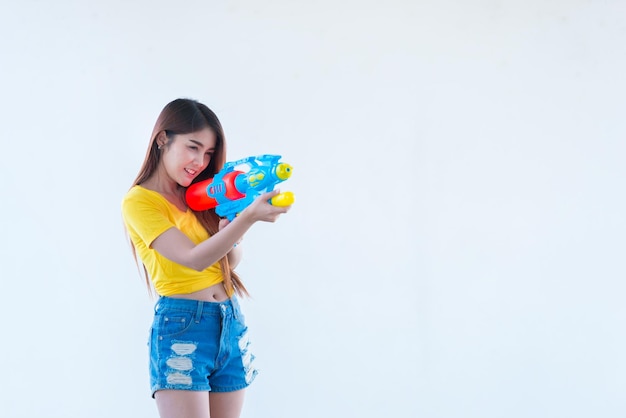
{"x":199,"y":346}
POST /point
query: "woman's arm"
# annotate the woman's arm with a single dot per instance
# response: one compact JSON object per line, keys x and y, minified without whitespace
{"x":177,"y":247}
{"x":234,"y":255}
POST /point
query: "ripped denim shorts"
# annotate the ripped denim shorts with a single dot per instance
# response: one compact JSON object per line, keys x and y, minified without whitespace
{"x":199,"y":346}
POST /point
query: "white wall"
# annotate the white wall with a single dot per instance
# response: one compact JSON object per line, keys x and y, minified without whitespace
{"x":457,"y":245}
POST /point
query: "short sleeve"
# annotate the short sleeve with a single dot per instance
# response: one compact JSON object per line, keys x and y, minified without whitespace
{"x":145,"y":216}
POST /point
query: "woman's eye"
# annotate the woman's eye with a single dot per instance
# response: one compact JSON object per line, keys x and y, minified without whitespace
{"x":193,"y":147}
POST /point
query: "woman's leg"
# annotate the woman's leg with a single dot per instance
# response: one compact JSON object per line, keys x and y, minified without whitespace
{"x":193,"y":404}
{"x":182,"y":404}
{"x":226,"y":404}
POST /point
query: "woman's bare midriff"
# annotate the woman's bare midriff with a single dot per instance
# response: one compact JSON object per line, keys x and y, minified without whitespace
{"x":215,"y":293}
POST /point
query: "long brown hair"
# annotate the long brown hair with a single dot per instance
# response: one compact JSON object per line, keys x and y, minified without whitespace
{"x":183,"y":116}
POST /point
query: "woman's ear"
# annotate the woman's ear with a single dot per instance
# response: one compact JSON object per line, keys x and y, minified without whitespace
{"x":161,"y":139}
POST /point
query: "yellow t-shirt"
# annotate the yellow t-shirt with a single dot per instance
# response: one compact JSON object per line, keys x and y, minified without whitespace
{"x":147,"y":214}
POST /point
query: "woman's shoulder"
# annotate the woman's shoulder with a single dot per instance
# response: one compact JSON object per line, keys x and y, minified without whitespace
{"x":141,"y":195}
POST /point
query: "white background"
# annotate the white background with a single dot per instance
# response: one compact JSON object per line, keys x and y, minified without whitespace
{"x":457,"y":244}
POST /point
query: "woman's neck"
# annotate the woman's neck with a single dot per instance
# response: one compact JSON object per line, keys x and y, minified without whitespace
{"x":169,"y":189}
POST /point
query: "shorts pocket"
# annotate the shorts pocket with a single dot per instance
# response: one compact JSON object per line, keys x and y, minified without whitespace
{"x":169,"y":324}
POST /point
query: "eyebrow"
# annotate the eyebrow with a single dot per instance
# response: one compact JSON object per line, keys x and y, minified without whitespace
{"x":200,"y":144}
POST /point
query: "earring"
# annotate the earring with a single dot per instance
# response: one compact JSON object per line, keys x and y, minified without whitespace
{"x":159,"y":147}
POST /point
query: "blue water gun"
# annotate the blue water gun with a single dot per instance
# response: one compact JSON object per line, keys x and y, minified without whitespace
{"x":231,"y":191}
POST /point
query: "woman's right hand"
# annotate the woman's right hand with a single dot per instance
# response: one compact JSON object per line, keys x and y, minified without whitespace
{"x":262,"y":210}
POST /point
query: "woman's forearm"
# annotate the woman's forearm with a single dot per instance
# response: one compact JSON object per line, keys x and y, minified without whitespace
{"x":177,"y":247}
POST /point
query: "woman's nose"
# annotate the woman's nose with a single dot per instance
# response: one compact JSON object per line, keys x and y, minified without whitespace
{"x":199,"y":160}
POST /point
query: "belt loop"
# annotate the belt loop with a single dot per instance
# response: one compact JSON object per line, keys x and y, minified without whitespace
{"x":199,"y":311}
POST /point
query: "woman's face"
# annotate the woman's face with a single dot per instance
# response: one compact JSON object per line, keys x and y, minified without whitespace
{"x":186,"y":155}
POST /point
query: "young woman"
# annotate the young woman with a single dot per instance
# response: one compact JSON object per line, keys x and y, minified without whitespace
{"x":200,"y":360}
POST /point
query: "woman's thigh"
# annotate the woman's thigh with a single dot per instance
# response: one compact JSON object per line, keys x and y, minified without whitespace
{"x":182,"y":403}
{"x":196,"y":404}
{"x":226,"y":404}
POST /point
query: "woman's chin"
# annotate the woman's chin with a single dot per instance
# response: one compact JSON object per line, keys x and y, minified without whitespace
{"x":185,"y":182}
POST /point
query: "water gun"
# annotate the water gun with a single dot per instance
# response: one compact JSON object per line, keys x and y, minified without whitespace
{"x":231,"y":191}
